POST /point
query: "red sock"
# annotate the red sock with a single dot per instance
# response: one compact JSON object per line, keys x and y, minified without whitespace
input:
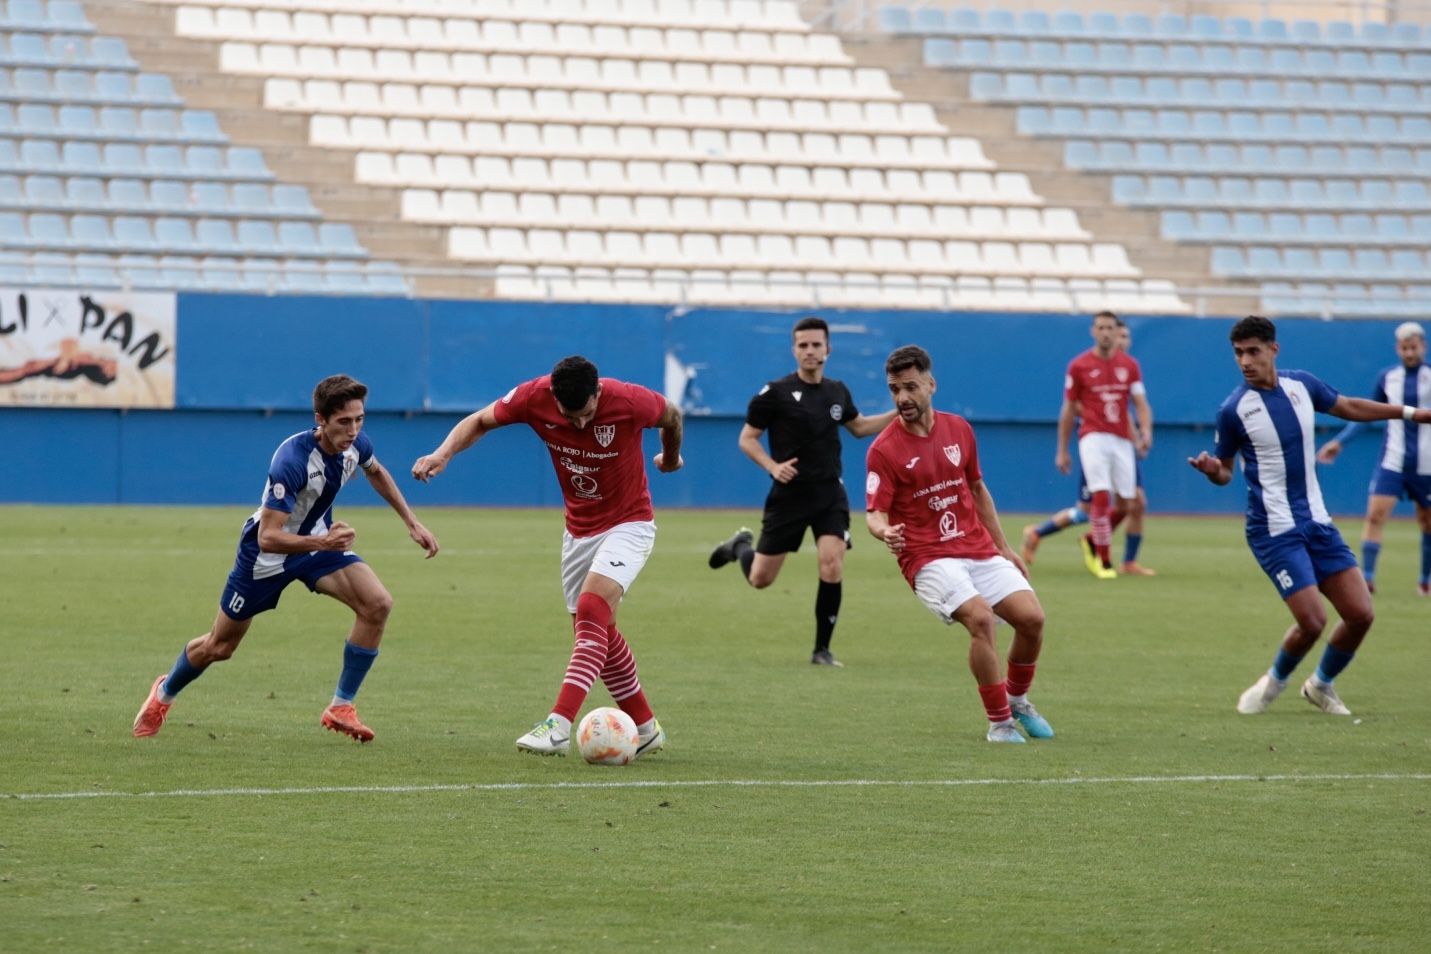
{"x":1021,"y":676}
{"x":621,"y":680}
{"x":588,"y":657}
{"x":1102,"y":534}
{"x":996,"y":702}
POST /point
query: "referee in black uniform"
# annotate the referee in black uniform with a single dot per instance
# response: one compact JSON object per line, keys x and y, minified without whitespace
{"x":803,"y":412}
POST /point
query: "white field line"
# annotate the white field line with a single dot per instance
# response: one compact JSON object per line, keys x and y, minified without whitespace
{"x":718,"y":783}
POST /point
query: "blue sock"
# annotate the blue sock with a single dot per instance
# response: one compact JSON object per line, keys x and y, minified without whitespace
{"x":1283,"y":665}
{"x":1426,"y":557}
{"x":1047,"y":529}
{"x":181,"y":675}
{"x":356,"y":663}
{"x":1131,"y":543}
{"x":1369,"y":552}
{"x":1334,"y":660}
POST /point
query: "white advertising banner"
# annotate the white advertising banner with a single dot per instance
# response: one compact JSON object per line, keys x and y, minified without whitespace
{"x":73,"y":348}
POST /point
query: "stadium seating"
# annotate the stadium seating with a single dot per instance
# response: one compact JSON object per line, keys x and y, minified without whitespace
{"x":1297,"y":151}
{"x":663,"y":149}
{"x":107,"y":180}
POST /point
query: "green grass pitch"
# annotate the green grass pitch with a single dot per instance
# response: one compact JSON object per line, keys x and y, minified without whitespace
{"x":796,"y":808}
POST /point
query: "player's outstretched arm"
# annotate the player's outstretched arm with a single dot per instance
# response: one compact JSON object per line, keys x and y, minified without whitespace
{"x":1061,"y":457}
{"x":1361,"y":409}
{"x":864,"y":426}
{"x":387,"y":489}
{"x":672,"y":426}
{"x":468,"y":431}
{"x":1217,"y":470}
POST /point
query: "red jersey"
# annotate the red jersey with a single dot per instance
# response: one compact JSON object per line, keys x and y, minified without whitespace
{"x":923,"y":483}
{"x":601,"y":467}
{"x":1099,"y":388}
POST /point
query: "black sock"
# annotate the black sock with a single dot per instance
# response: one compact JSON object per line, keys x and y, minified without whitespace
{"x":745,"y":553}
{"x":827,"y":611}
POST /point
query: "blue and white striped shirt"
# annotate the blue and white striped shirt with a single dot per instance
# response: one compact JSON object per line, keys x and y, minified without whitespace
{"x":1406,"y":448}
{"x":1272,"y":429}
{"x":302,"y":482}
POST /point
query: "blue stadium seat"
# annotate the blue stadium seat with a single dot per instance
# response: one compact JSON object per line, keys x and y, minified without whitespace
{"x":1068,"y":23}
{"x":47,"y":230}
{"x":68,"y":15}
{"x":247,"y":162}
{"x":155,"y":87}
{"x":1178,"y":225}
{"x":894,"y":19}
{"x":293,"y":200}
{"x":215,"y":236}
{"x":159,"y":123}
{"x":96,"y":271}
{"x":945,"y":53}
{"x":170,"y":197}
{"x":1229,"y":262}
{"x":210,"y":198}
{"x":1128,"y":190}
{"x":257,"y":236}
{"x":51,"y":269}
{"x":77,"y":121}
{"x":82,"y":158}
{"x":83,"y":192}
{"x":205,"y":162}
{"x":174,"y":233}
{"x":34,"y":119}
{"x":90,"y":231}
{"x":119,"y":122}
{"x":164,"y":160}
{"x":11,"y":193}
{"x":128,"y":195}
{"x":39,"y":155}
{"x":44,"y":191}
{"x":929,"y":20}
{"x":339,"y":239}
{"x":221,"y":273}
{"x":298,"y":238}
{"x":201,"y":126}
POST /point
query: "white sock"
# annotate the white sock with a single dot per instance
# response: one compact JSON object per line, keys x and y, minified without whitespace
{"x":340,"y":701}
{"x":1019,"y":700}
{"x":562,"y":723}
{"x":647,"y":728}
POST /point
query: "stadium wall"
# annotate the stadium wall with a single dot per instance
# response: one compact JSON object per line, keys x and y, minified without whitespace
{"x":246,"y":365}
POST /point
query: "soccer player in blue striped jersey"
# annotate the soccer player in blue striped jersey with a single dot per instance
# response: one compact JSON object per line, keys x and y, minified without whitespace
{"x":293,"y":536}
{"x":1268,"y":421}
{"x":1405,"y":465}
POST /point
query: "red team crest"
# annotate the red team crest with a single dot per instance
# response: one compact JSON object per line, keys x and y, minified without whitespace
{"x":954,"y":454}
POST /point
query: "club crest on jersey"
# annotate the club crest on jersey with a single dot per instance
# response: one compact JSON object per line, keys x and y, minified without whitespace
{"x":1121,"y":374}
{"x":954,"y":454}
{"x":278,"y":490}
{"x":836,"y":411}
{"x":604,"y":434}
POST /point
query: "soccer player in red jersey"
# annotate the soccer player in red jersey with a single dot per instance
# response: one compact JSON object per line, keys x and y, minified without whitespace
{"x":1097,"y":388}
{"x":592,"y":427}
{"x":925,"y":498}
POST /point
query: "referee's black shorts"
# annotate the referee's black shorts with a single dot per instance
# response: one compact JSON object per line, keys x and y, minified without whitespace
{"x":790,"y":509}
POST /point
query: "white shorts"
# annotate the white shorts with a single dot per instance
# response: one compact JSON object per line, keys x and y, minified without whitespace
{"x":1109,"y":463}
{"x":617,"y":554}
{"x":945,"y":585}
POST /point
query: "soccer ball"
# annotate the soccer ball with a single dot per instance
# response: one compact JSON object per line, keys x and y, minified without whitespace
{"x":607,"y":736}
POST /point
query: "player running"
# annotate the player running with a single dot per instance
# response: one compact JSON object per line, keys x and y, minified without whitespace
{"x":592,"y":427}
{"x":1269,"y":421}
{"x":1097,"y":389}
{"x":803,"y":412}
{"x":925,"y":497}
{"x":293,"y":536}
{"x":1073,"y":516}
{"x":1405,"y":465}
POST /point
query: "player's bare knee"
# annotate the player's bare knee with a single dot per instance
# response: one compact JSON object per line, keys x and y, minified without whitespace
{"x":376,"y":607}
{"x":761,"y":580}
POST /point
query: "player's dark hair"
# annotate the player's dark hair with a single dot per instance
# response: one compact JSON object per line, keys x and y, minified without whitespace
{"x":334,"y":392}
{"x":810,"y":323}
{"x":909,"y":356}
{"x":1108,"y":314}
{"x":574,"y":381}
{"x":1253,"y":326}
